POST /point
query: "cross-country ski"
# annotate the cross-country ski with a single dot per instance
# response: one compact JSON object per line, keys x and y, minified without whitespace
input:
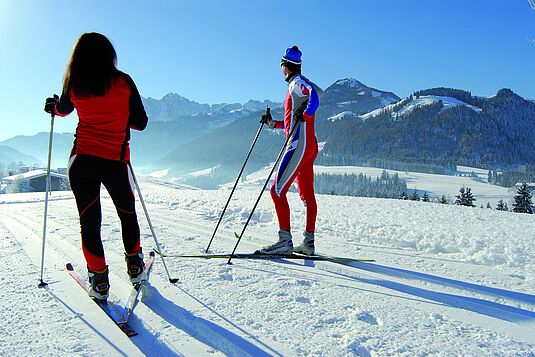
{"x":121,"y":322}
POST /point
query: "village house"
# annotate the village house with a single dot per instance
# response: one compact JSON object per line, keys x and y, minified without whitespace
{"x":34,"y":181}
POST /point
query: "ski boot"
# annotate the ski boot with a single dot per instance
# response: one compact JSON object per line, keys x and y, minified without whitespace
{"x":100,"y":284}
{"x":284,"y":246}
{"x":307,"y":247}
{"x":135,"y":267}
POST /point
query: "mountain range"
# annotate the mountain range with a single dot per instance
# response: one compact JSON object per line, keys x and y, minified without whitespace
{"x":355,"y":125}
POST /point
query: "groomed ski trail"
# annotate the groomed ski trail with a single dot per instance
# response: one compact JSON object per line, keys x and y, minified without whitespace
{"x":390,"y":306}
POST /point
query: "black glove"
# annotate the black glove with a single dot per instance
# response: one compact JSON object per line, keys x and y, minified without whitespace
{"x":268,"y":119}
{"x":50,"y":104}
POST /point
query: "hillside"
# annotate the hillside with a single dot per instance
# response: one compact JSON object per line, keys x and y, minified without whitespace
{"x":438,"y":126}
{"x":432,"y":130}
{"x":9,"y":155}
{"x":37,"y":147}
{"x":444,"y":277}
{"x":228,"y":145}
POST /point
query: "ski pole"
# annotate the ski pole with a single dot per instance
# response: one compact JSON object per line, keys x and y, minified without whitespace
{"x":261,"y":192}
{"x":172,"y":281}
{"x":237,"y":180}
{"x":41,"y":282}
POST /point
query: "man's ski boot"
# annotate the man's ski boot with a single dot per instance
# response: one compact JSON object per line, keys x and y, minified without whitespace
{"x":100,"y":284}
{"x":135,"y":267}
{"x":307,"y":247}
{"x":284,"y":246}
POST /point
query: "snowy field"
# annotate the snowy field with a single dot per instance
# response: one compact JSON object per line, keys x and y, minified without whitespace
{"x":438,"y":185}
{"x":447,"y":280}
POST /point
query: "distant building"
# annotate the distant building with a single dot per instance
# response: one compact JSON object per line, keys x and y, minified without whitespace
{"x":24,"y":169}
{"x":35,"y":181}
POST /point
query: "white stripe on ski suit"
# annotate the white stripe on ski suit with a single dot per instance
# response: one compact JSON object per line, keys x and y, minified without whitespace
{"x":296,"y":151}
{"x":71,"y":161}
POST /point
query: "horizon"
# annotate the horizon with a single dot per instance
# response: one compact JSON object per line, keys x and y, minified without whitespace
{"x":224,"y":56}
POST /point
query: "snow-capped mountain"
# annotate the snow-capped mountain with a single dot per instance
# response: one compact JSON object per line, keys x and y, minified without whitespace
{"x":356,"y":124}
{"x":225,"y":145}
{"x":439,"y":126}
{"x":410,"y":104}
{"x":351,"y":95}
{"x":175,"y":107}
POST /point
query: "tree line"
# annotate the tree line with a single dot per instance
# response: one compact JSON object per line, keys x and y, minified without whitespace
{"x":385,"y":186}
{"x":522,"y":200}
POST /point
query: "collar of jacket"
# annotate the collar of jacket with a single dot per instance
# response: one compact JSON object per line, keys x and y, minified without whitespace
{"x":291,"y":76}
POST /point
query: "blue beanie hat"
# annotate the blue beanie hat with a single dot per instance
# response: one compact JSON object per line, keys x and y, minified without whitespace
{"x":293,"y":55}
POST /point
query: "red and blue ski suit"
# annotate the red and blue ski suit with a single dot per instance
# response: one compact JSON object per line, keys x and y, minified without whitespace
{"x":297,"y":163}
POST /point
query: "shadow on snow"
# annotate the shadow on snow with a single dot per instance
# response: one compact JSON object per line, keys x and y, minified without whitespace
{"x":481,"y":306}
{"x":201,"y":329}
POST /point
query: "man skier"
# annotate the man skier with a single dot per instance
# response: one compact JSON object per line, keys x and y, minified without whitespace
{"x":300,"y":106}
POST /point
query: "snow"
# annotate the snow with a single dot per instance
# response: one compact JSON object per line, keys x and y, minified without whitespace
{"x":321,"y":144}
{"x":204,"y":172}
{"x":159,"y":174}
{"x":436,"y":185}
{"x":349,"y":82}
{"x":468,"y":170}
{"x":448,"y":103}
{"x":340,"y":115}
{"x":31,"y":174}
{"x":445,"y":277}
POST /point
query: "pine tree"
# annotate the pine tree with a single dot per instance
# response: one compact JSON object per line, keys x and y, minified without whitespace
{"x":488,"y":205}
{"x":426,"y":197}
{"x":404,"y":196}
{"x":465,"y":198}
{"x":523,"y":202}
{"x":490,"y":176}
{"x":415,"y":196}
{"x":501,"y":206}
{"x":443,"y":200}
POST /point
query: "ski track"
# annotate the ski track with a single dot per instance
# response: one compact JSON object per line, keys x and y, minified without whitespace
{"x":160,"y":347}
{"x":256,"y":308}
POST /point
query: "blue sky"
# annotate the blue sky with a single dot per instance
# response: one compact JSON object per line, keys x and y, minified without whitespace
{"x":228,"y":51}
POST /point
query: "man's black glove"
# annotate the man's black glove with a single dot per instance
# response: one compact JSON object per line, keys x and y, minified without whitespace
{"x":50,"y":104}
{"x":268,"y":119}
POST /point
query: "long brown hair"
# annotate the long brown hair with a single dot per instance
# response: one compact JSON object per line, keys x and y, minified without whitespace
{"x":91,"y":67}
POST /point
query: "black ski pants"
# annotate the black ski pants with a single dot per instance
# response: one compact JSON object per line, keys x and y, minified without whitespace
{"x":86,"y":174}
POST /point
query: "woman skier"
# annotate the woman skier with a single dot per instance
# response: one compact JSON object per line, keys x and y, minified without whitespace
{"x":108,"y":106}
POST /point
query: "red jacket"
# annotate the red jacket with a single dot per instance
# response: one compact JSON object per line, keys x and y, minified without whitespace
{"x":105,"y":121}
